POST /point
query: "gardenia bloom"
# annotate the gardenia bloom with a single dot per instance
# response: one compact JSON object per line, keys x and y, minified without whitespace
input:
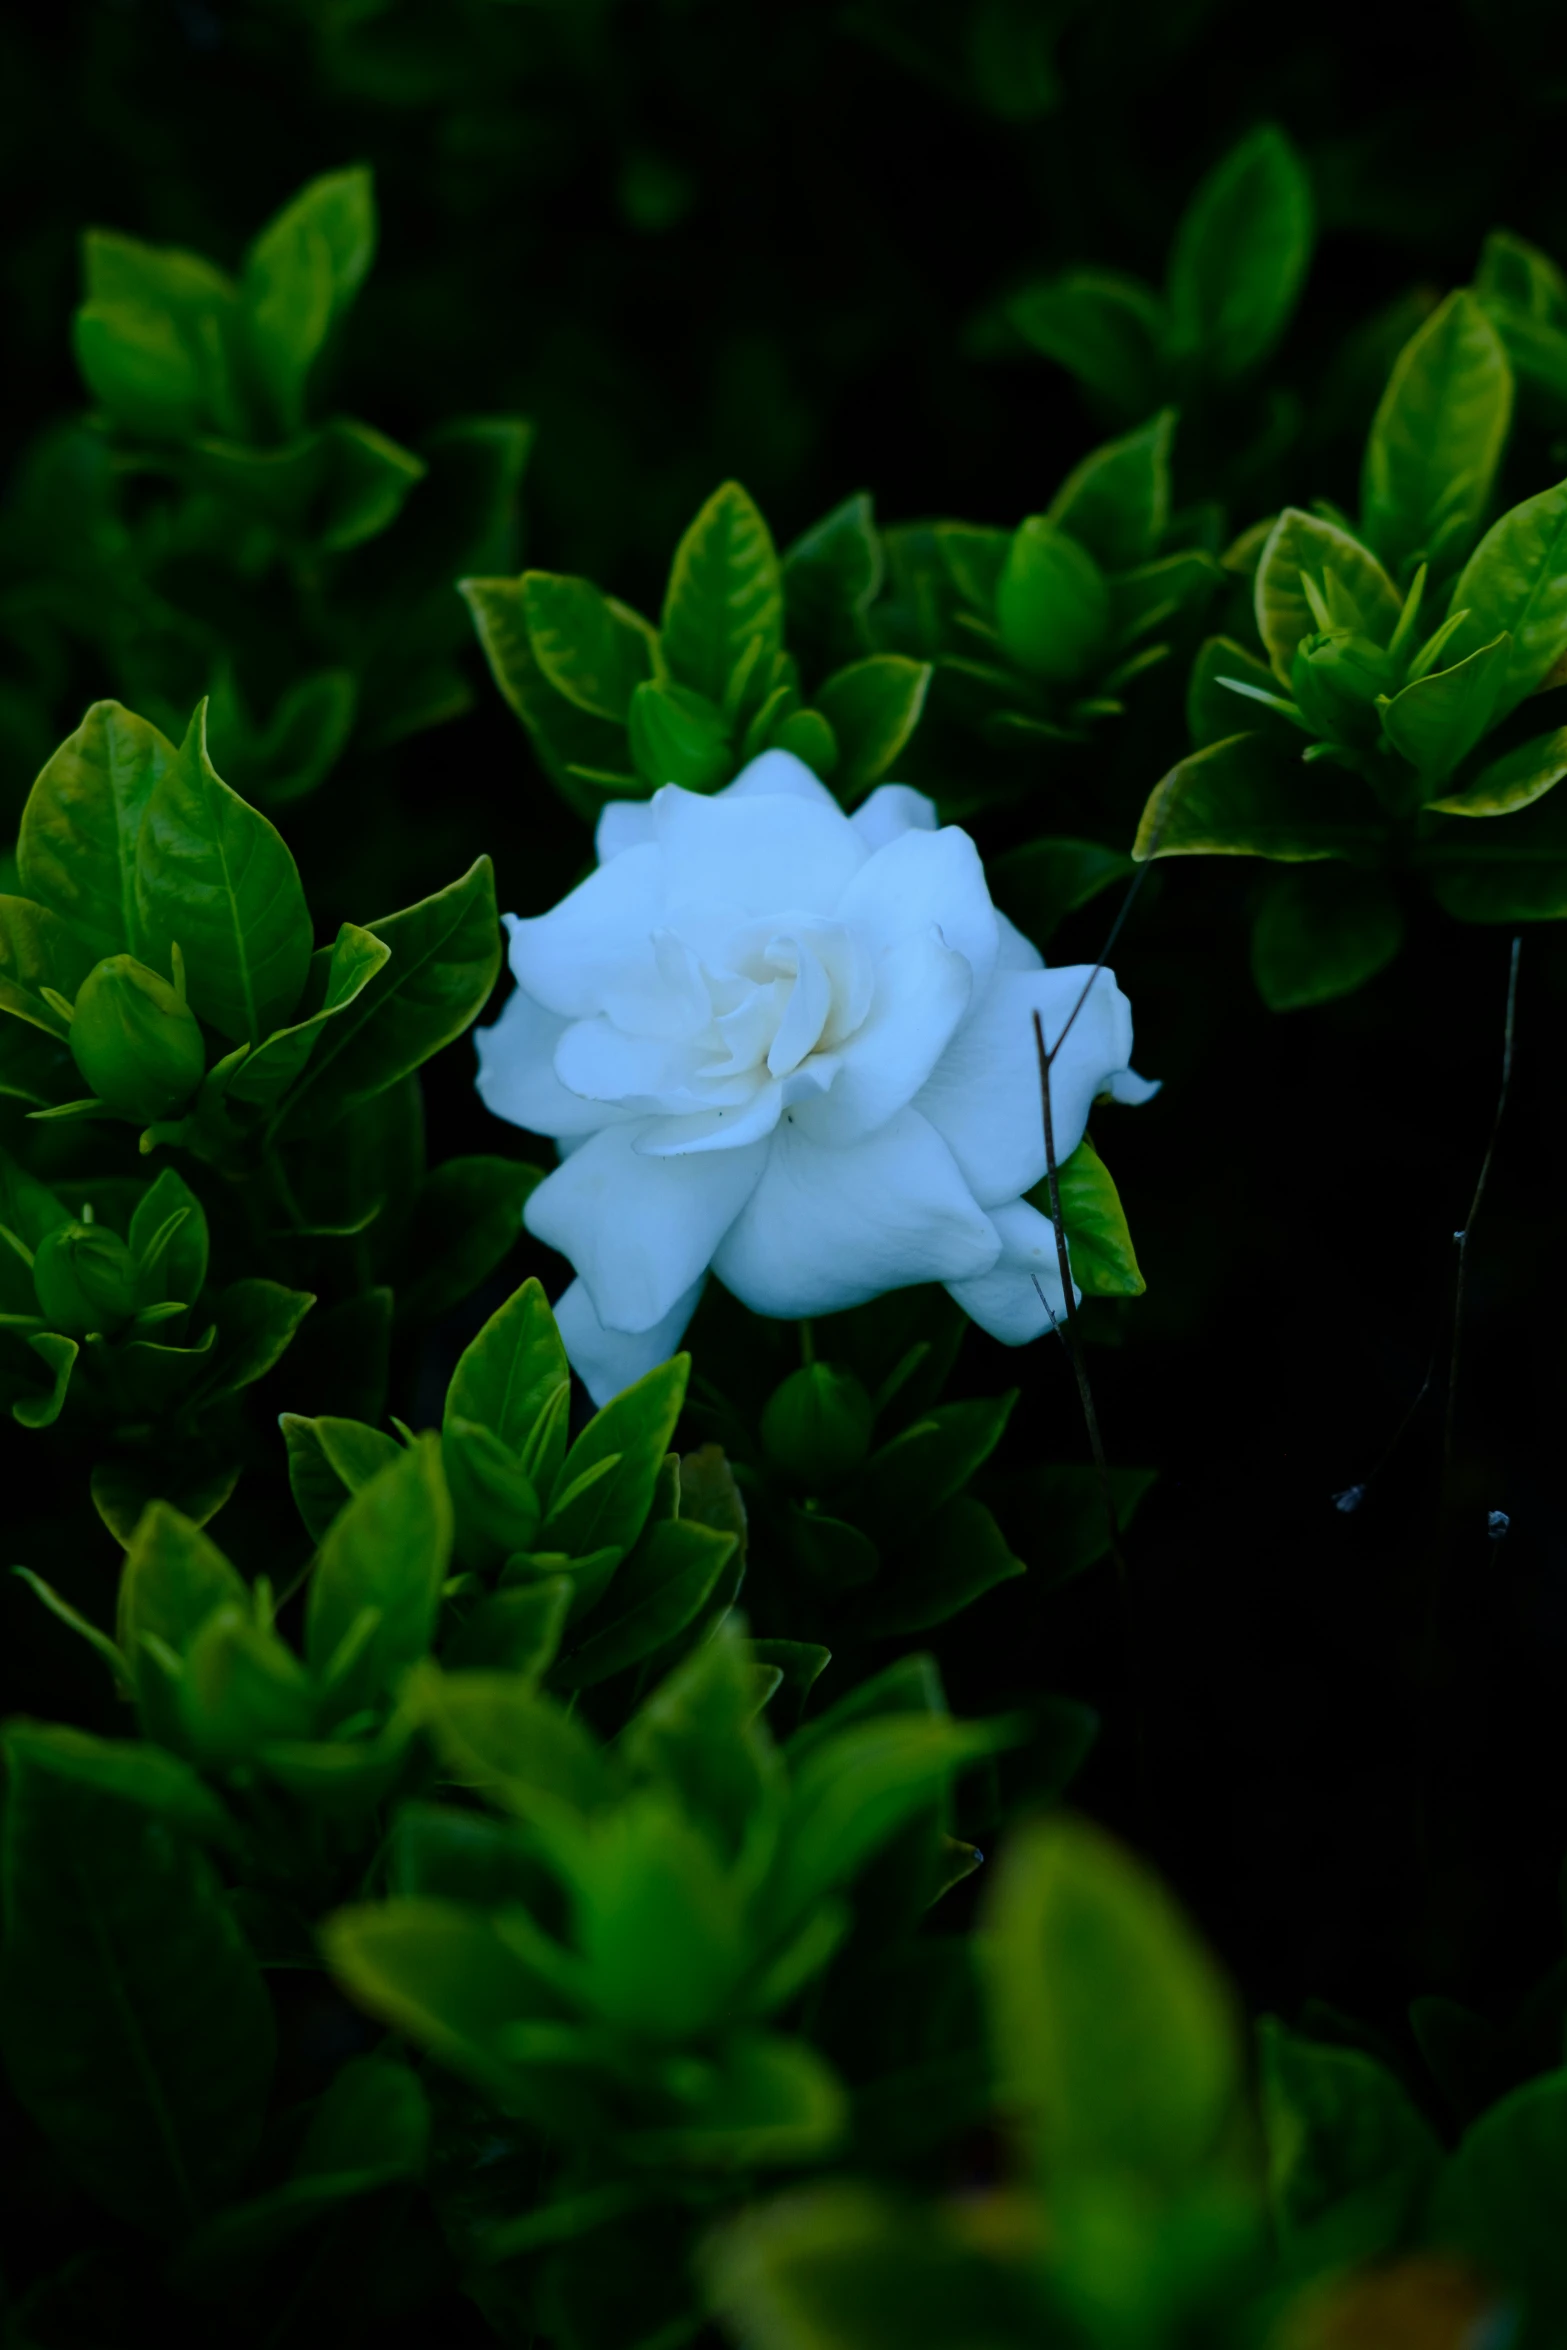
{"x":794,"y":1048}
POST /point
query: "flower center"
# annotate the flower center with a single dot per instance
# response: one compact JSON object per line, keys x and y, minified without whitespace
{"x":784,"y":990}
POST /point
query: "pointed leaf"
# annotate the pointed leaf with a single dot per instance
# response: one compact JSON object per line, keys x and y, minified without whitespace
{"x":77,"y":848}
{"x":873,"y":708}
{"x":1117,"y":502}
{"x":341,"y":973}
{"x":1437,"y":439}
{"x":1516,"y":580}
{"x":388,"y":1550}
{"x":725,"y":587}
{"x":1241,"y":253}
{"x":1437,"y":721}
{"x":593,"y":650}
{"x":38,"y":950}
{"x":1238,"y":798}
{"x":1300,"y":544}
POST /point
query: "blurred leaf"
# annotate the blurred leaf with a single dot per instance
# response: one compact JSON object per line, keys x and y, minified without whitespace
{"x":1437,"y":439}
{"x":872,"y":707}
{"x":1322,"y":931}
{"x":1107,"y":330}
{"x":962,"y":1555}
{"x":1241,"y":252}
{"x":1351,"y":2160}
{"x":1497,"y":2201}
{"x":1116,"y":503}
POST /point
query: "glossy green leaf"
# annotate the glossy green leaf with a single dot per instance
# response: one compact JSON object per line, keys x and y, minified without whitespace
{"x":1351,"y":2159}
{"x":591,"y":649}
{"x":571,"y":745}
{"x":1116,"y":2038}
{"x":136,"y":2027}
{"x":633,"y":1432}
{"x":1300,"y":544}
{"x":389,"y":1551}
{"x":1437,"y":721}
{"x":1104,"y":1263}
{"x":1514,"y":781}
{"x":1116,"y":503}
{"x":873,"y":708}
{"x":339,"y":975}
{"x":510,"y":1372}
{"x":725,"y":587}
{"x":1239,"y":798}
{"x":445,"y":954}
{"x":1322,"y":931}
{"x":1052,"y":604}
{"x":77,"y":849}
{"x":1108,"y":330}
{"x":1436,"y":439}
{"x":1241,"y":252}
{"x":216,"y":879}
{"x":1516,"y":581}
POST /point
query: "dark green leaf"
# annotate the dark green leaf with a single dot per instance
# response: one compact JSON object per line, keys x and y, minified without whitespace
{"x":662,"y":1588}
{"x":872,"y":707}
{"x":196,"y":1486}
{"x":1497,"y":2201}
{"x":508,"y":1375}
{"x":215,"y":878}
{"x":1351,"y":2159}
{"x":1117,"y":502}
{"x":519,"y":1748}
{"x":256,"y":1320}
{"x":1437,"y":439}
{"x":37,"y":950}
{"x":1055,"y":1517}
{"x":301,"y":273}
{"x":908,"y":1479}
{"x":678,"y":736}
{"x":466,"y":1221}
{"x":1241,"y":253}
{"x":570,"y":744}
{"x":329,"y":1460}
{"x":77,"y":848}
{"x":1214,"y":709}
{"x":962,"y":1555}
{"x":388,"y":1551}
{"x":58,"y":1356}
{"x":1515,"y":871}
{"x":136,"y":2027}
{"x":831,"y":576}
{"x":633,"y":1432}
{"x":1042,"y":882}
{"x":1052,"y":604}
{"x":1108,"y":330}
{"x":1322,"y":931}
{"x":339,"y":975}
{"x":181,"y":1268}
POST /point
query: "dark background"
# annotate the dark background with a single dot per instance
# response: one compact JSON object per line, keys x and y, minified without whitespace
{"x":698,"y":239}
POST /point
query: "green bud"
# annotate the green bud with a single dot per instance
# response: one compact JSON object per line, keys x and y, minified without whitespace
{"x":817,"y":1425}
{"x":85,"y":1278}
{"x":1336,"y":678}
{"x":136,"y":1040}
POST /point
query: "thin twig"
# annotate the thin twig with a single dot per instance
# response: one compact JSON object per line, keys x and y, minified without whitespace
{"x":1127,"y":904}
{"x":1474,"y":1209}
{"x":1074,"y":1344}
{"x":1353,"y":1495}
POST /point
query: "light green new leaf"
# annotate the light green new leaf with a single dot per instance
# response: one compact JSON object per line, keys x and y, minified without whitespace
{"x":592,"y":649}
{"x":725,"y":587}
{"x":1239,"y":798}
{"x":1514,"y":780}
{"x":1437,"y":439}
{"x":445,"y":953}
{"x":1116,"y":503}
{"x":1115,"y":2036}
{"x":1321,"y":932}
{"x":137,"y":2030}
{"x":1301,"y":543}
{"x":1437,"y":721}
{"x":1516,"y":580}
{"x":38,"y":950}
{"x":1241,"y":253}
{"x":339,"y":974}
{"x":76,"y":851}
{"x":214,"y":877}
{"x":873,"y":707}
{"x":388,"y":1551}
{"x":1103,"y":1261}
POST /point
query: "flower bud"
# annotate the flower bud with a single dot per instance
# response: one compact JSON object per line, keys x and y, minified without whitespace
{"x":85,"y":1278}
{"x":1336,"y":678}
{"x":136,"y":1040}
{"x":817,"y":1425}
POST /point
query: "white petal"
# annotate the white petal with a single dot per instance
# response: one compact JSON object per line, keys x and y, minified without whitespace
{"x":922,"y":993}
{"x":1016,"y":953}
{"x":608,"y":1361}
{"x":983,"y":1094}
{"x":777,"y":775}
{"x":920,"y":881}
{"x":722,"y":1129}
{"x":595,"y":1060}
{"x":893,"y":808}
{"x":517,"y":1079}
{"x":1126,"y":1086}
{"x":622,"y":825}
{"x":640,"y":1230}
{"x":768,"y":854}
{"x":1006,"y":1301}
{"x":595,"y":938}
{"x":831,"y":1228}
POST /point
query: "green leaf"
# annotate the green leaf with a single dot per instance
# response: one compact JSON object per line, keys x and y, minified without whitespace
{"x":1214,"y":709}
{"x":300,"y":275}
{"x":1512,"y":872}
{"x":216,"y":879}
{"x":1351,"y":2159}
{"x":725,"y":587}
{"x":1117,"y":502}
{"x":1052,"y":604}
{"x":339,"y":974}
{"x":1241,"y":252}
{"x":1322,"y":931}
{"x":527,"y":1754}
{"x":136,"y":2027}
{"x":872,"y":707}
{"x":510,"y":1373}
{"x":1117,"y":2040}
{"x":494,"y":1499}
{"x":241,"y":1689}
{"x":1107,"y":329}
{"x":1238,"y":798}
{"x":37,"y":950}
{"x":155,"y":375}
{"x":661,"y":1589}
{"x":1104,"y":1263}
{"x":1437,"y":721}
{"x":466,"y":1221}
{"x":832,"y":575}
{"x":677,"y":736}
{"x":181,"y":1269}
{"x":767,"y":2100}
{"x":570,"y":744}
{"x":1516,"y":581}
{"x":328,"y":1461}
{"x":102,"y":1646}
{"x":1057,"y":1515}
{"x":1513,"y":271}
{"x":1515,"y":780}
{"x":1437,"y":439}
{"x":975,"y":558}
{"x":908,"y":1479}
{"x":962,"y":1555}
{"x":173,"y":1580}
{"x":58,"y":1355}
{"x":1498,"y":2203}
{"x":365,"y":482}
{"x":28,"y":1208}
{"x":1304,"y":545}
{"x":517,"y":1631}
{"x":633,"y":1432}
{"x":123,"y":1488}
{"x":439,"y":1973}
{"x":256,"y":1321}
{"x":388,"y":1551}
{"x":76,"y":852}
{"x":445,"y":953}
{"x":1043,"y":881}
{"x":592,"y":650}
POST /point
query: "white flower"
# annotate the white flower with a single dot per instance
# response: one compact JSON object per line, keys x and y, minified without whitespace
{"x":795,"y":1048}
